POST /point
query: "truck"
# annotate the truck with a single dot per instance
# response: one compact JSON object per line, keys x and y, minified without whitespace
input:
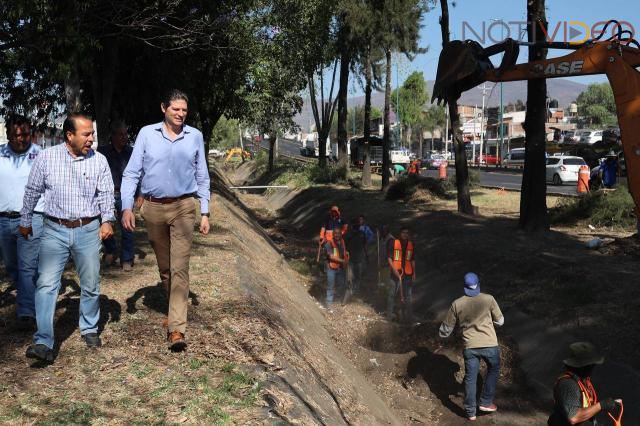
{"x":309,"y":146}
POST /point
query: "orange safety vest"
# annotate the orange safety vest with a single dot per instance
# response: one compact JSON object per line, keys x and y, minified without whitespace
{"x":413,"y":169}
{"x":408,"y":257}
{"x":589,"y":397}
{"x":336,"y":253}
{"x":327,"y":234}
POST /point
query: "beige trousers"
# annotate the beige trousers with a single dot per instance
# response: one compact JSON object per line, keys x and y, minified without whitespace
{"x":170,"y":231}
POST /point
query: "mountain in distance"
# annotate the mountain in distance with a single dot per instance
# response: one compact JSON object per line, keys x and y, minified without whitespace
{"x":565,"y":91}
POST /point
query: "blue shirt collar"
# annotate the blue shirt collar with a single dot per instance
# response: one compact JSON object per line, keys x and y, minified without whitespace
{"x":185,"y":130}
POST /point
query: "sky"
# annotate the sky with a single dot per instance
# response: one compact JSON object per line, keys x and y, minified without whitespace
{"x":471,"y":14}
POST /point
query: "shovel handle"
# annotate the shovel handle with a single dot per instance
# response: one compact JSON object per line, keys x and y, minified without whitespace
{"x":617,"y":421}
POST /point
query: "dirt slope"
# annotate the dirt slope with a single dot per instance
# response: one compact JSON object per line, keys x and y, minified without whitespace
{"x":259,"y":347}
{"x":565,"y":288}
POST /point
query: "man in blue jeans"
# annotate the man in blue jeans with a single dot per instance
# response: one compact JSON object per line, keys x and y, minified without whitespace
{"x":476,"y":314}
{"x":78,"y":209}
{"x":118,"y":154}
{"x":337,"y":261}
{"x":20,"y":255}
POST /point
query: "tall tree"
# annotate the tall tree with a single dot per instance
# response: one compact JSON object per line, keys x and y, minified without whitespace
{"x":434,"y":118}
{"x":462,"y":169}
{"x":409,"y":100}
{"x":597,"y":106}
{"x":533,"y":198}
{"x":398,"y":31}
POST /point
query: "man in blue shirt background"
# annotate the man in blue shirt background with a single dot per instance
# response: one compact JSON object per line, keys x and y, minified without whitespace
{"x":169,"y":163}
{"x":20,"y":255}
{"x":118,"y":154}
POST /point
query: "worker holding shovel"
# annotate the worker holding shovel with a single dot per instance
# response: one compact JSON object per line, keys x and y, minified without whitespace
{"x":402,"y":265}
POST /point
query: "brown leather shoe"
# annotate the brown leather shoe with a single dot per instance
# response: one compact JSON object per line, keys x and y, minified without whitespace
{"x":176,"y":341}
{"x":165,"y":323}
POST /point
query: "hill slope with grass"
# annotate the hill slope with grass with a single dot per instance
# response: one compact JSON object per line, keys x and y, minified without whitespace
{"x":259,"y":351}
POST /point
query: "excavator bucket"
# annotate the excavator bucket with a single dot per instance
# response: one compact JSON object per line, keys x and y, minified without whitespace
{"x":464,"y":65}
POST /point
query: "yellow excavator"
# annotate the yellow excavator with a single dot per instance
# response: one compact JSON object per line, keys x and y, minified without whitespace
{"x":234,"y":153}
{"x":466,"y":64}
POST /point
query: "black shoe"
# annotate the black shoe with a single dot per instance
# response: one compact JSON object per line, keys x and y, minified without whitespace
{"x":92,"y":340}
{"x":40,"y":352}
{"x":25,"y":323}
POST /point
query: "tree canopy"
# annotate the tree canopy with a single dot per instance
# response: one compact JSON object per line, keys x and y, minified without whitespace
{"x":597,"y":106}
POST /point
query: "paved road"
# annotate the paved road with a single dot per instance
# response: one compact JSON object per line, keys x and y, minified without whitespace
{"x":285,"y":146}
{"x":509,"y":179}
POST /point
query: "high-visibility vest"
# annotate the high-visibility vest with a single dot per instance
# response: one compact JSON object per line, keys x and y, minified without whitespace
{"x":336,"y":253}
{"x":408,"y":257}
{"x":587,"y":391}
{"x":327,"y":234}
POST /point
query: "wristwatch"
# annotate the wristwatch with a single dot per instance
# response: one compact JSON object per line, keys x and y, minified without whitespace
{"x":205,"y":214}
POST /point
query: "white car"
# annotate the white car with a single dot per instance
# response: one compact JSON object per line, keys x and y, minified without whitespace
{"x":590,"y":136}
{"x":215,"y":153}
{"x":561,"y":169}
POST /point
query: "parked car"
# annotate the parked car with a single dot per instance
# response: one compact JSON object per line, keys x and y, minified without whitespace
{"x":487,"y":160}
{"x":215,"y":153}
{"x":561,"y":169}
{"x":611,"y":135}
{"x":433,"y":161}
{"x":590,"y":136}
{"x":515,"y":158}
{"x":570,"y":137}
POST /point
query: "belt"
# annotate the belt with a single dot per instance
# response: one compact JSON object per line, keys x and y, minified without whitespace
{"x":10,"y":215}
{"x":167,"y":200}
{"x":76,"y":223}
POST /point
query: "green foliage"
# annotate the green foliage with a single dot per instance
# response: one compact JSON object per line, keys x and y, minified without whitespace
{"x":355,"y":116}
{"x":409,"y":100}
{"x":600,"y":208}
{"x":226,"y":133}
{"x":597,"y":105}
{"x":298,"y":175}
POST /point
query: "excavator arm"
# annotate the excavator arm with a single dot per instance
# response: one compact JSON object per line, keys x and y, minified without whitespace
{"x":464,"y":65}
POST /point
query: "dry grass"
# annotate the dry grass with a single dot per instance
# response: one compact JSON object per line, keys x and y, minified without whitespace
{"x":133,"y":378}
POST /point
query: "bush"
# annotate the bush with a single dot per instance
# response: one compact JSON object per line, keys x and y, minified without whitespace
{"x":601,"y":208}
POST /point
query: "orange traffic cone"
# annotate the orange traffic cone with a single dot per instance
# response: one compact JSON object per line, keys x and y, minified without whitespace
{"x":442,"y":170}
{"x":583,"y":180}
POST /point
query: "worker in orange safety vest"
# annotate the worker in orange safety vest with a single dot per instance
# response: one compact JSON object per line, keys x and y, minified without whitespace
{"x":333,"y":220}
{"x":575,"y":398}
{"x":337,"y":262}
{"x":402,"y":265}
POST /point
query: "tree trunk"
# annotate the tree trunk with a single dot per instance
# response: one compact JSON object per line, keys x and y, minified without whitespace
{"x":420,"y":142}
{"x":462,"y":169}
{"x":366,"y":158}
{"x":272,"y":149}
{"x":343,"y":159}
{"x":386,"y":163}
{"x":533,"y":198}
{"x":103,"y":82}
{"x":72,"y":91}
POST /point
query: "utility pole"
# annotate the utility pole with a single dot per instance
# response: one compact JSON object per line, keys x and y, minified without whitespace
{"x":398,"y":104}
{"x":501,"y":117}
{"x":473,"y":141}
{"x":484,"y":89}
{"x":446,"y":133}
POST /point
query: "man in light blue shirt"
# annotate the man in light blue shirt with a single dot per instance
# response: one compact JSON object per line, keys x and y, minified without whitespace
{"x":169,"y":161}
{"x":20,"y":255}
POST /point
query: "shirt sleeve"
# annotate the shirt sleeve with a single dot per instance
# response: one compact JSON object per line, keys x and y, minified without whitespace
{"x":105,"y":190}
{"x":202,"y":177}
{"x":133,"y":173}
{"x":496,"y":313}
{"x":449,"y":323}
{"x":567,"y":397}
{"x":33,"y":191}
